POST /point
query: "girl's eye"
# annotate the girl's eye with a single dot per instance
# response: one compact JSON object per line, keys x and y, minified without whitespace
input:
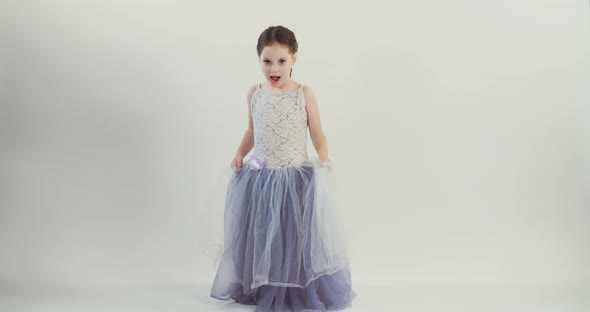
{"x":267,"y":61}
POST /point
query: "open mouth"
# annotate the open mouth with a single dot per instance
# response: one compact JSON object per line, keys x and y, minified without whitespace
{"x":275,"y":78}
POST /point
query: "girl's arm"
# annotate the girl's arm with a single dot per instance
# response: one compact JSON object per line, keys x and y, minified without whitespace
{"x":315,"y":126}
{"x":248,"y":138}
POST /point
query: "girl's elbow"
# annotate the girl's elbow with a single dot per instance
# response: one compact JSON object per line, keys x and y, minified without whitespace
{"x":318,"y":136}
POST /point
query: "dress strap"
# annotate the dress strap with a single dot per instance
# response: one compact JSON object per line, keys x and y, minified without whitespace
{"x":301,"y":96}
{"x":254,"y":96}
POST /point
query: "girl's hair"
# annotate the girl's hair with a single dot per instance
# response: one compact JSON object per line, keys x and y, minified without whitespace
{"x":280,"y":35}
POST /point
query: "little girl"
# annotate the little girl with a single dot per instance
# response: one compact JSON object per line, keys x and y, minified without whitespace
{"x":282,"y":250}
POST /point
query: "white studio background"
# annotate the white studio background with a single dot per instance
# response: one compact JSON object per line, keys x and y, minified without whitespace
{"x":459,"y":131}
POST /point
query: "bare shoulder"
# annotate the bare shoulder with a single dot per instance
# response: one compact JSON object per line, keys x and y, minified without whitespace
{"x":307,"y":90}
{"x":252,"y":90}
{"x":308,"y":95}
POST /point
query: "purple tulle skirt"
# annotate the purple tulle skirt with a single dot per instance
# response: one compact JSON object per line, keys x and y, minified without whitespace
{"x":283,"y":249}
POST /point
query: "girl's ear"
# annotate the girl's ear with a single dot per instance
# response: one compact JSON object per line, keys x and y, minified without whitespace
{"x":294,"y":57}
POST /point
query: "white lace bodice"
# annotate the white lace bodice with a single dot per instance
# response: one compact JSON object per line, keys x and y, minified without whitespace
{"x":280,"y":127}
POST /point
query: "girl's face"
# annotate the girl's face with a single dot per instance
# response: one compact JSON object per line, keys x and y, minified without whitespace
{"x":276,"y":64}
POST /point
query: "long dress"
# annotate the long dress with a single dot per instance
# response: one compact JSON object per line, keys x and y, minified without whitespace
{"x":283,"y":250}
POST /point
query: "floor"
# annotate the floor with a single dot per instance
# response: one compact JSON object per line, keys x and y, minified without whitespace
{"x":194,"y":297}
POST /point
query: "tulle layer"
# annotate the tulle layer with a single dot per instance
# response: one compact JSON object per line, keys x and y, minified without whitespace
{"x":283,"y":249}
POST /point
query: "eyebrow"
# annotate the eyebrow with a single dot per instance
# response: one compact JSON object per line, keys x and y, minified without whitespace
{"x":282,"y":58}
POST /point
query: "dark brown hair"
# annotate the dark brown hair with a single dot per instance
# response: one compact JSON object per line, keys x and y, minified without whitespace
{"x":280,"y":35}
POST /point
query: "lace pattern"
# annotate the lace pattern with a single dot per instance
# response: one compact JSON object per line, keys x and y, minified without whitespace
{"x":280,"y":128}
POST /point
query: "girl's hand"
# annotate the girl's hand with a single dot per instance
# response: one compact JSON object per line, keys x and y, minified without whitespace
{"x":237,"y":163}
{"x":326,"y":163}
